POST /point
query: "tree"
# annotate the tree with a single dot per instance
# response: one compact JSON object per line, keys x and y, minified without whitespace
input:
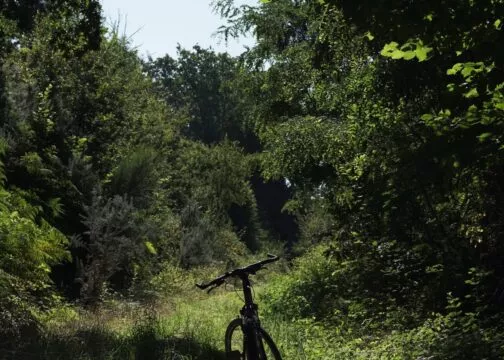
{"x":208,"y":90}
{"x":113,"y":242}
{"x":199,"y":85}
{"x":358,"y":109}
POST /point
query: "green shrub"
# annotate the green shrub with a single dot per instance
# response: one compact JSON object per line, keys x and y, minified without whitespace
{"x":325,"y":287}
{"x":27,"y":250}
{"x":329,"y":315}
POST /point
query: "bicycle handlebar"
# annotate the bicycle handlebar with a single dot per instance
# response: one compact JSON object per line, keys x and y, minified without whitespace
{"x":250,"y":269}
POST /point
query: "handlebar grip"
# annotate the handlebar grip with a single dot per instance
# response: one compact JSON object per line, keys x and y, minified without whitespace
{"x":216,"y":282}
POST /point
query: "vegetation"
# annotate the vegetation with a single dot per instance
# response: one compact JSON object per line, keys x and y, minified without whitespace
{"x":360,"y":140}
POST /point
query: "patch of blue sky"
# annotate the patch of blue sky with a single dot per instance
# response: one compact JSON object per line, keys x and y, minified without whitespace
{"x":156,"y":27}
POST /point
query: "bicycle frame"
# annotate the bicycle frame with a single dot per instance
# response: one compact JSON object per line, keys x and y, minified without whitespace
{"x":250,"y":320}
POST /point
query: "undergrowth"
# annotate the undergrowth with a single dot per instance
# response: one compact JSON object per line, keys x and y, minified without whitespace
{"x":191,"y":325}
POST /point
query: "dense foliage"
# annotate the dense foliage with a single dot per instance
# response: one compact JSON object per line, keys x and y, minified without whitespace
{"x":106,"y":180}
{"x":362,"y":137}
{"x":385,"y":119}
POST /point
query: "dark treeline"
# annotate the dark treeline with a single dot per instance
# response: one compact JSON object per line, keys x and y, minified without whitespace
{"x":364,"y":138}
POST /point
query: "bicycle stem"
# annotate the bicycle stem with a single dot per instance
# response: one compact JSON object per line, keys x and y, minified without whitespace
{"x":247,"y":290}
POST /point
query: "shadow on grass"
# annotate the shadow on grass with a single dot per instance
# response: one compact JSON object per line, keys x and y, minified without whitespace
{"x":98,"y":343}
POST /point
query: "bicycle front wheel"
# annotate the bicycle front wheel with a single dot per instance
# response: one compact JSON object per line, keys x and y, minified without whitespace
{"x":236,"y":346}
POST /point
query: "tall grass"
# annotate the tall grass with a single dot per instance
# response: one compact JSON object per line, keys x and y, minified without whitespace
{"x":192,"y":324}
{"x":188,"y":325}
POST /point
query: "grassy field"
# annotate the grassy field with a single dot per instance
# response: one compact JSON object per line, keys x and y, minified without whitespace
{"x":192,"y":324}
{"x":189,"y":326}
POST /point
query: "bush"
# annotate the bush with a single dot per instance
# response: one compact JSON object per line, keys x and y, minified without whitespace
{"x":326,"y":287}
{"x":331,"y":315}
{"x":27,"y":250}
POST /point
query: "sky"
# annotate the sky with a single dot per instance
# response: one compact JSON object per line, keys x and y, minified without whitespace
{"x":156,"y":26}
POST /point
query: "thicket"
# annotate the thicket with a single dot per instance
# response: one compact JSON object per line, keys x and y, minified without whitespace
{"x":365,"y":138}
{"x":385,"y":119}
{"x":111,"y":172}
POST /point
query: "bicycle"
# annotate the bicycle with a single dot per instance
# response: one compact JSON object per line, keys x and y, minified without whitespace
{"x":254,"y":336}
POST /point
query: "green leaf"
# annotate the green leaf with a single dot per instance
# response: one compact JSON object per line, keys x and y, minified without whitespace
{"x":455,"y":69}
{"x":484,"y":136}
{"x":422,"y":52}
{"x":397,"y":54}
{"x":369,"y":36}
{"x":150,"y":248}
{"x":467,"y":70}
{"x":389,"y":49}
{"x":498,"y":24}
{"x":473,"y":108}
{"x":472,"y":93}
{"x":408,"y":55}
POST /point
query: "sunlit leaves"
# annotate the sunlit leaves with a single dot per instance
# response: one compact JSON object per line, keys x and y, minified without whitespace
{"x":429,"y":17}
{"x":391,"y":50}
{"x":471,"y":93}
{"x":28,"y":249}
{"x":150,"y":248}
{"x":484,"y":136}
{"x":470,"y":69}
{"x":407,"y":51}
{"x":369,"y":36}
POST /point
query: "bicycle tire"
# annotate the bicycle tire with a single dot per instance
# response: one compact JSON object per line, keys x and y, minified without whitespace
{"x":263,"y":336}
